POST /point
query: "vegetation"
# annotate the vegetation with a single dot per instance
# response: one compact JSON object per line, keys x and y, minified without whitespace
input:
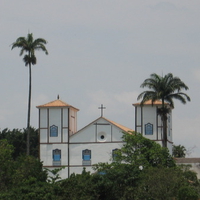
{"x":17,"y":138}
{"x":142,"y":170}
{"x":178,"y":151}
{"x":165,"y":89}
{"x":28,"y":45}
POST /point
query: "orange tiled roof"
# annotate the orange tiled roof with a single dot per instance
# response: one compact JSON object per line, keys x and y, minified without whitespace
{"x":56,"y":103}
{"x":124,"y":128}
{"x":149,"y":102}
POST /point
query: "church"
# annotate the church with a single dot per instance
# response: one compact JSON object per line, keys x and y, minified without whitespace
{"x":62,"y":145}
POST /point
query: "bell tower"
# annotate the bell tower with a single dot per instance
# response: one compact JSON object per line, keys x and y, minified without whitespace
{"x":57,"y":122}
{"x":149,"y":123}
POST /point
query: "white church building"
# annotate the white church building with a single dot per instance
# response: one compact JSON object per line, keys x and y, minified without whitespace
{"x":61,"y":145}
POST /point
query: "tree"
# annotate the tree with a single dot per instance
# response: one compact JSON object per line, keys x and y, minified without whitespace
{"x":28,"y":45}
{"x":165,"y":89}
{"x":166,"y":184}
{"x":178,"y":151}
{"x":17,"y":138}
{"x":6,"y":168}
{"x":143,"y":170}
{"x":122,"y":178}
{"x":22,"y":178}
{"x":79,"y":186}
{"x":142,"y":152}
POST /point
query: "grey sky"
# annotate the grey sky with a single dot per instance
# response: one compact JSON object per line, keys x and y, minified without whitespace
{"x":100,"y":51}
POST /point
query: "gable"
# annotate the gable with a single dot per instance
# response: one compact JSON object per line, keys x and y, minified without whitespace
{"x":100,"y":130}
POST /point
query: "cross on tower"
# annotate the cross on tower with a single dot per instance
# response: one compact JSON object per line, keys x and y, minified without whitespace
{"x":101,"y":109}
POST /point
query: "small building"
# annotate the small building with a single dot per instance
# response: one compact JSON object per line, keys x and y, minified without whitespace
{"x":193,"y":162}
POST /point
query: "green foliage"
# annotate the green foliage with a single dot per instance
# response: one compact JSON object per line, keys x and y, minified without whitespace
{"x":79,"y":186}
{"x":188,"y":193}
{"x":6,"y":167}
{"x":54,"y":177}
{"x":119,"y":180}
{"x":123,"y":178}
{"x":20,"y":178}
{"x":17,"y":138}
{"x":27,"y":168}
{"x":29,"y":45}
{"x":142,"y":152}
{"x":31,"y":189}
{"x":160,"y":183}
{"x":142,"y":170}
{"x":164,"y":88}
{"x":178,"y":151}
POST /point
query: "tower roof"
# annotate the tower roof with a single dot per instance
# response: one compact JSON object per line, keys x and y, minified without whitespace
{"x":149,"y":102}
{"x":56,"y":103}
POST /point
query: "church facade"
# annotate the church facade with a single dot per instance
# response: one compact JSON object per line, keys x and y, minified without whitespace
{"x":61,"y":145}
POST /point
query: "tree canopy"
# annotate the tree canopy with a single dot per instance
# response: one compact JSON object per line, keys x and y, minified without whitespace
{"x":178,"y":151}
{"x":142,"y":170}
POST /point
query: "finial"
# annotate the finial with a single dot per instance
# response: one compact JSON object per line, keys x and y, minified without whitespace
{"x":58,"y":96}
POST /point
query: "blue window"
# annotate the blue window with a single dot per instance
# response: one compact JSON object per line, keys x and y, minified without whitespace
{"x":53,"y":131}
{"x":56,"y":157}
{"x":86,"y":156}
{"x":114,"y":154}
{"x":148,"y":129}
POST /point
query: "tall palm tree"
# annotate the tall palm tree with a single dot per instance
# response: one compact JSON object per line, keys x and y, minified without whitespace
{"x":28,"y":46}
{"x":165,"y":89}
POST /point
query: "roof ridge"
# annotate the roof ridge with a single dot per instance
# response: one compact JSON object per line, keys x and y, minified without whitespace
{"x":119,"y":125}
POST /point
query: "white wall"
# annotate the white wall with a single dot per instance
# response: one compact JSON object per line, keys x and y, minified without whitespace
{"x":43,"y":118}
{"x":43,"y":135}
{"x":85,"y":135}
{"x":46,"y":153}
{"x":149,"y":114}
{"x":100,"y":152}
{"x":55,"y":119}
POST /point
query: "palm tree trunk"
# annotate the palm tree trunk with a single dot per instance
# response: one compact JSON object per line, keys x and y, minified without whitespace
{"x":164,"y":131}
{"x":164,"y":121}
{"x":29,"y":112}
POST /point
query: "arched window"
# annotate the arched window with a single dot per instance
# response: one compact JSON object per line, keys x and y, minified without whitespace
{"x":148,"y":129}
{"x":53,"y":131}
{"x":86,"y":156}
{"x":56,"y":157}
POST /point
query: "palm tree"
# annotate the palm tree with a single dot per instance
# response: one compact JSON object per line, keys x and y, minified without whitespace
{"x":28,"y":46}
{"x":178,"y":151}
{"x":164,"y":89}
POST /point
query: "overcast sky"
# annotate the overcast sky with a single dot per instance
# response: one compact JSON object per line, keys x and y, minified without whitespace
{"x":100,"y":51}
